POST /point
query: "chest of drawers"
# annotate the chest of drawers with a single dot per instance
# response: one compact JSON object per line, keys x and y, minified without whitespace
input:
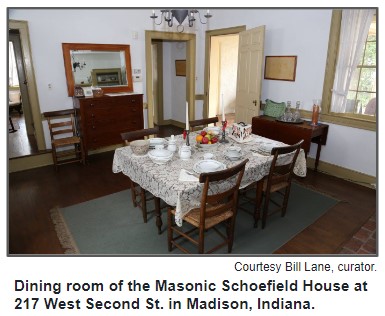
{"x":101,"y":120}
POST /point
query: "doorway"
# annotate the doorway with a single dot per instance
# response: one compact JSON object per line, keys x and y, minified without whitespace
{"x":223,"y":76}
{"x":34,"y":134}
{"x":154,"y":96}
{"x":221,"y":64}
{"x":21,"y":141}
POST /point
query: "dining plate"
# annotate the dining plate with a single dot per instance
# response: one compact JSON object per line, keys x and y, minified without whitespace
{"x":209,"y":165}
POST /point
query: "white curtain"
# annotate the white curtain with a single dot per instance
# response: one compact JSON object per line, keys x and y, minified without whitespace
{"x":354,"y":31}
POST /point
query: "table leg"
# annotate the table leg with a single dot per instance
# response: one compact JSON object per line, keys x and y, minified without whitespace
{"x":318,"y":154}
{"x":158,"y":214}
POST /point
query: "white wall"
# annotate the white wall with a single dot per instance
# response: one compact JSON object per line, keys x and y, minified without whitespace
{"x":302,"y":32}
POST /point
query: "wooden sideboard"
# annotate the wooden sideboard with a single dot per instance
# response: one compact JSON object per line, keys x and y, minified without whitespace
{"x":290,"y":133}
{"x":101,"y":120}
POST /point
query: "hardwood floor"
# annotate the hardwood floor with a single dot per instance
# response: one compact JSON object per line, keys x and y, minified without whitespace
{"x":19,"y":142}
{"x":34,"y":192}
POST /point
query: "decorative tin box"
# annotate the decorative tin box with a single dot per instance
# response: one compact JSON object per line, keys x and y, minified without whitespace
{"x":241,"y":131}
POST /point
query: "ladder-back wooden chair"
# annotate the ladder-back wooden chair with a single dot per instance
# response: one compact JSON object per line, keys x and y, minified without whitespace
{"x":140,"y":196}
{"x":214,"y":210}
{"x":278,"y":181}
{"x":66,"y":145}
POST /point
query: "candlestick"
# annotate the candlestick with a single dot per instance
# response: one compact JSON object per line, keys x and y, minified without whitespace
{"x":187,"y":137}
{"x":187,"y":122}
{"x":223,"y":109}
{"x":223,"y":139}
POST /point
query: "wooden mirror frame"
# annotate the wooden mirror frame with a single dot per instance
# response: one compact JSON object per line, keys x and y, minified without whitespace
{"x":67,"y":47}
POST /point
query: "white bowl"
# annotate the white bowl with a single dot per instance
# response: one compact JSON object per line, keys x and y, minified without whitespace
{"x":207,"y":146}
{"x":215,"y":130}
{"x":140,"y":147}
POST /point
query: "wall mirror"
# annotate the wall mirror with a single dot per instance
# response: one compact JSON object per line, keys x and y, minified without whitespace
{"x":107,"y":66}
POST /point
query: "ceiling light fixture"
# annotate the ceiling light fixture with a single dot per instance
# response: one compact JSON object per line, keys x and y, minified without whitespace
{"x":179,"y":15}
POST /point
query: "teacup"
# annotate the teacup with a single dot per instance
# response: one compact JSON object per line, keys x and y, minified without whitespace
{"x":207,"y":156}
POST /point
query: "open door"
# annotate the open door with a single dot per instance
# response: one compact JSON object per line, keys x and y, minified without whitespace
{"x":249,"y":77}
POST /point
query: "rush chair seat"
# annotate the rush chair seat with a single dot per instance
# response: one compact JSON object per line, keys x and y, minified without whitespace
{"x":67,"y":147}
{"x":140,"y":196}
{"x":214,"y":210}
{"x":203,"y":122}
{"x":277,"y":181}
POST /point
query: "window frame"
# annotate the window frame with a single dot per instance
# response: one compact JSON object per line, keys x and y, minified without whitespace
{"x":361,"y":121}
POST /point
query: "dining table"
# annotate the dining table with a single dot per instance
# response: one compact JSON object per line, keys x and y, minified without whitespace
{"x":176,"y":182}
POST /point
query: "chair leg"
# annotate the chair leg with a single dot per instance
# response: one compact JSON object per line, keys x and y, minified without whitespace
{"x":285,"y":201}
{"x":133,"y":193}
{"x":265,"y":209}
{"x":169,"y":229}
{"x":143,"y":204}
{"x":230,"y":234}
{"x":201,"y":240}
{"x":54,"y":157}
{"x":259,"y":196}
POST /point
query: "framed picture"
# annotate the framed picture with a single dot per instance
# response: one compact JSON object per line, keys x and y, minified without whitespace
{"x":180,"y":68}
{"x":280,"y":67}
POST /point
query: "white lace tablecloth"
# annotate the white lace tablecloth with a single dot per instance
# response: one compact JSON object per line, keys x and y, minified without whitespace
{"x":163,"y":180}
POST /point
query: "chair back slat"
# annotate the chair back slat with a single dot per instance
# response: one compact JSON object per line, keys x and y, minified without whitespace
{"x":128,"y":137}
{"x":204,"y":122}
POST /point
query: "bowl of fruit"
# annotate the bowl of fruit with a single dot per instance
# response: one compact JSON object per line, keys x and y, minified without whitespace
{"x":207,"y":140}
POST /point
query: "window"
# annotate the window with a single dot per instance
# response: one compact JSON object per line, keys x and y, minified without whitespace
{"x":13,"y":78}
{"x":358,"y":93}
{"x":362,"y":89}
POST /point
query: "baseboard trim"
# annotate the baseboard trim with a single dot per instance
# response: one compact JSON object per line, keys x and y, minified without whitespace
{"x":344,"y":173}
{"x":42,"y":160}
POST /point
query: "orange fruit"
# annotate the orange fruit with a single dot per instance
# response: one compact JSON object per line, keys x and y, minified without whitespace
{"x":199,"y":138}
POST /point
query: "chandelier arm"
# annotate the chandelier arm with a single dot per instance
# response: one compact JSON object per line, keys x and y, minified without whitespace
{"x":153,"y":17}
{"x":200,"y":19}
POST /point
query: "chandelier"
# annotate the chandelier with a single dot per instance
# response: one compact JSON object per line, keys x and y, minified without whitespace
{"x":180,"y":16}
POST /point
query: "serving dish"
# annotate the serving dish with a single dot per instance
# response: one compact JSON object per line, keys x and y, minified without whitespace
{"x":160,"y":156}
{"x":300,"y":121}
{"x":156,"y":141}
